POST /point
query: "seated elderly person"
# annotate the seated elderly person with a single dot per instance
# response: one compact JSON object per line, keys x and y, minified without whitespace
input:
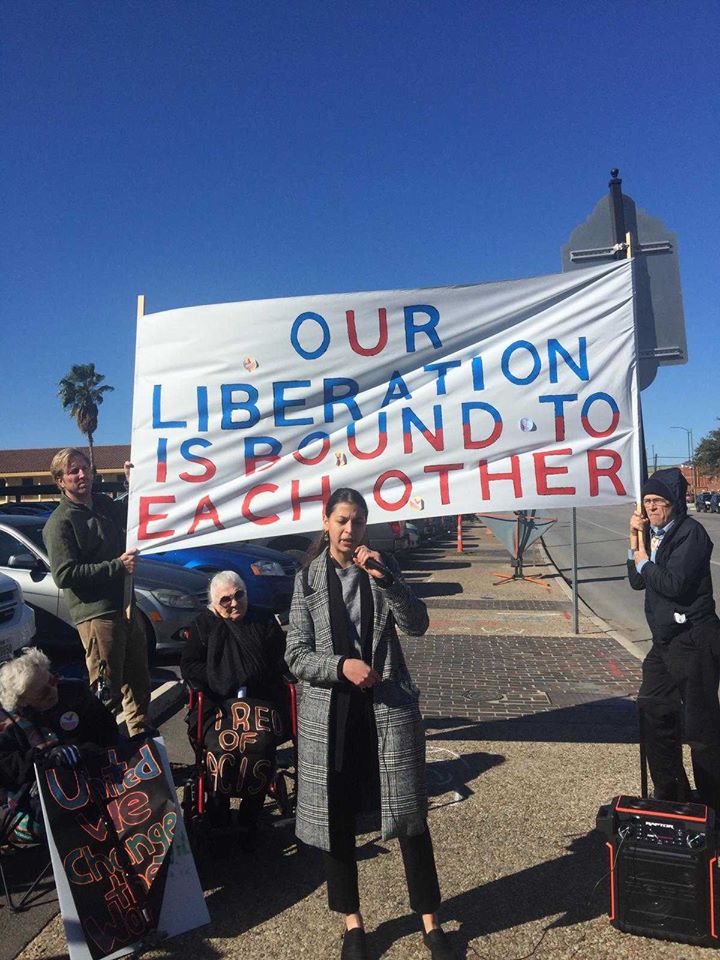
{"x":235,"y":656}
{"x":45,"y":720}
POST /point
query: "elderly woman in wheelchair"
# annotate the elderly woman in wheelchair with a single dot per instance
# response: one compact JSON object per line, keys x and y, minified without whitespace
{"x":44,"y":720}
{"x":233,"y":663}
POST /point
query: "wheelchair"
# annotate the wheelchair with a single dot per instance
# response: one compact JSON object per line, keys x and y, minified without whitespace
{"x":35,"y":849}
{"x":282,"y":788}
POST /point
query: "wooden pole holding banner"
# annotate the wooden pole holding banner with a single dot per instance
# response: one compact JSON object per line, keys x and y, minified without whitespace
{"x":129,"y":587}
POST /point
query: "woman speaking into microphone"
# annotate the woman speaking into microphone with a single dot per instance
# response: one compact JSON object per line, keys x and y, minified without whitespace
{"x":361,"y":739}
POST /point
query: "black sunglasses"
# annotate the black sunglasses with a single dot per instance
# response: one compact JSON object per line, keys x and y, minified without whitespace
{"x":237,"y":597}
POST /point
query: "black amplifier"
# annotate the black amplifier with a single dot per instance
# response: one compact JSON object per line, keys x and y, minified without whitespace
{"x":663,"y":868}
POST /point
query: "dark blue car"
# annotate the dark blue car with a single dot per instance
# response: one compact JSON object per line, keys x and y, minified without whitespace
{"x":268,"y":574}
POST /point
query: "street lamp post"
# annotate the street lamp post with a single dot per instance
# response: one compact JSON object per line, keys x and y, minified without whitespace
{"x":691,"y":454}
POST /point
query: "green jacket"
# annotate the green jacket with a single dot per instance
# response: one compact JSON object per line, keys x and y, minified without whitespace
{"x":84,"y":545}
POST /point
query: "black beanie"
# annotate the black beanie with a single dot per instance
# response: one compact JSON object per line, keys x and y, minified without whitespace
{"x":652,"y":485}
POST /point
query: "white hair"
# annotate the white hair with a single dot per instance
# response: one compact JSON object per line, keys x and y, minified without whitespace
{"x":17,"y":675}
{"x":228,"y":577}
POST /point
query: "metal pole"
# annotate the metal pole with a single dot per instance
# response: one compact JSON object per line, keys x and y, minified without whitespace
{"x":688,"y":435}
{"x":691,"y":456}
{"x":692,"y":460}
{"x":617,"y":212}
{"x":576,"y":615}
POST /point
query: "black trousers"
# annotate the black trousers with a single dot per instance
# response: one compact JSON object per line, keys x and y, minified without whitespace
{"x":420,"y":873}
{"x":679,"y":700}
{"x":355,"y":790}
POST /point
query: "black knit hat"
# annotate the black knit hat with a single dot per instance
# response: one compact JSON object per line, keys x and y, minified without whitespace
{"x":654,"y":486}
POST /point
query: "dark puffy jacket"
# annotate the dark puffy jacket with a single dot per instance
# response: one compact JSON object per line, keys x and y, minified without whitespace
{"x":94,"y":724}
{"x":679,"y":579}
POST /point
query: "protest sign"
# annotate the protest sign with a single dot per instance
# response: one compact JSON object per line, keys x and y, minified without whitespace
{"x":113,"y":828}
{"x":487,"y":397}
{"x":240,"y":740}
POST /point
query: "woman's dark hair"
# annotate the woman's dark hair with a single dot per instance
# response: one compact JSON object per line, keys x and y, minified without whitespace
{"x":341,"y":495}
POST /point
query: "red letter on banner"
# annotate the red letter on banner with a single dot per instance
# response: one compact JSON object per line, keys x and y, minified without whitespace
{"x":205,"y":511}
{"x":543,"y":471}
{"x":296,"y":500}
{"x":250,"y":496}
{"x":444,"y":470}
{"x":595,"y":471}
{"x":406,"y":494}
{"x":382,"y":336}
{"x":146,"y":517}
{"x":514,"y":475}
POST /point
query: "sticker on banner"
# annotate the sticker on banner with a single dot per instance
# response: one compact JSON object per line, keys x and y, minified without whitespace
{"x":340,"y":459}
{"x":250,"y":364}
{"x":527,"y":425}
{"x":416,"y":503}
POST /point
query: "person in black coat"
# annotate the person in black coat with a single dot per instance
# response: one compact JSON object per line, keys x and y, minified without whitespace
{"x":235,"y":653}
{"x":669,"y":559}
{"x":45,"y":720}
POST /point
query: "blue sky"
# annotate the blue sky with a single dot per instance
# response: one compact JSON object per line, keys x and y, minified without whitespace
{"x":200,"y":152}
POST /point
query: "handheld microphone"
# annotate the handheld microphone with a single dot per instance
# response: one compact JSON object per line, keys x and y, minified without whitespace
{"x":372,"y":564}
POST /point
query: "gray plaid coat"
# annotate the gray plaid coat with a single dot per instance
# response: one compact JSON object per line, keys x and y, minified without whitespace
{"x":401,"y":737}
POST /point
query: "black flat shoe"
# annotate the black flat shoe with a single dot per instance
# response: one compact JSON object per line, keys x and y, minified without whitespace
{"x":354,"y":946}
{"x":438,"y":944}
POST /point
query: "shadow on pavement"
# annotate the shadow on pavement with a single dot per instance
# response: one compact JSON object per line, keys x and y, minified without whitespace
{"x":447,"y":770}
{"x":423,"y":590}
{"x":18,"y":929}
{"x":599,"y":579}
{"x":562,"y":886}
{"x":611,"y":720}
{"x":439,"y":564}
{"x":249,"y":888}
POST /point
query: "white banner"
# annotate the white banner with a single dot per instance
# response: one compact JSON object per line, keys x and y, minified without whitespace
{"x":494,"y":396}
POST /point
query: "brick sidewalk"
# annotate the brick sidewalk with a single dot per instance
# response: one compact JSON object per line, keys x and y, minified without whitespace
{"x":506,"y":651}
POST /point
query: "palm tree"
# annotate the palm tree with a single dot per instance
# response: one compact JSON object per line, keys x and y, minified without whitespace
{"x":80,"y":391}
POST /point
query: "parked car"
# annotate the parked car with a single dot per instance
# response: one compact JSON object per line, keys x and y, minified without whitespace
{"x":389,"y":537}
{"x":425,"y":527}
{"x":168,"y":599}
{"x":413,"y":535}
{"x":25,"y":509}
{"x":702,"y":502}
{"x":268,"y":574}
{"x":17,"y":619}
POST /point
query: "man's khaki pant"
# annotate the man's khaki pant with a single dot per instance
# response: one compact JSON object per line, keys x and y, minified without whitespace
{"x":117,"y":649}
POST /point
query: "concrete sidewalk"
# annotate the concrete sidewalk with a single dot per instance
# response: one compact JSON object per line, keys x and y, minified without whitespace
{"x":529,"y":730}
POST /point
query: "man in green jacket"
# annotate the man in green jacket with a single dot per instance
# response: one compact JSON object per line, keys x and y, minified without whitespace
{"x":85,"y":540}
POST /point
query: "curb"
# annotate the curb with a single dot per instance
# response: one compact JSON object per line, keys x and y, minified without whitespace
{"x":605,"y":627}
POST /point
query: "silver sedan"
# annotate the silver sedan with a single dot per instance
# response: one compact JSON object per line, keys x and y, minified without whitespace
{"x":168,"y":597}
